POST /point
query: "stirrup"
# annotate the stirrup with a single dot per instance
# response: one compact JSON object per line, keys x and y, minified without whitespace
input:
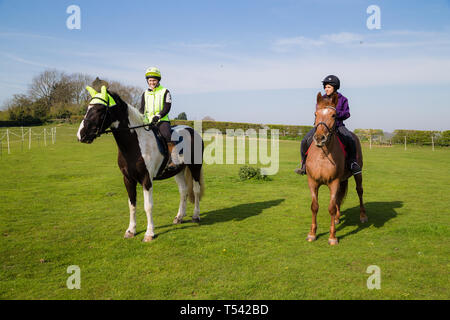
{"x":357,"y":169}
{"x":301,"y":171}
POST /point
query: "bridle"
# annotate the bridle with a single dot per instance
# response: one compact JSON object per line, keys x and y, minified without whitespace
{"x":99,"y":132}
{"x":330,"y":131}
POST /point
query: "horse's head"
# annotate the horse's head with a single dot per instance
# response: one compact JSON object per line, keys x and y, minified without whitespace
{"x":99,"y":115}
{"x":325,"y":119}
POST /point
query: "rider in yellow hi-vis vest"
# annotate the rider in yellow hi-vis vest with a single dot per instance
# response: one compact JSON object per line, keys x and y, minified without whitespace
{"x":156,"y":102}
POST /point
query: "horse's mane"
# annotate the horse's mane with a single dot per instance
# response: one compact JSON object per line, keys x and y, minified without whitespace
{"x":133,"y":113}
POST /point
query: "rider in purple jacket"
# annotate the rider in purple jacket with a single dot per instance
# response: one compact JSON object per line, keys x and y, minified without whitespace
{"x":331,"y":84}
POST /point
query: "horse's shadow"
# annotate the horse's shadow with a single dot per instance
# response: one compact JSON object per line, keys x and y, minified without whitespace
{"x":378,"y":213}
{"x":236,"y":213}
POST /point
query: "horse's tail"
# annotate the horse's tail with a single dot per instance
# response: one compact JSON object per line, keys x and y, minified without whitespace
{"x":343,"y":188}
{"x":190,"y":183}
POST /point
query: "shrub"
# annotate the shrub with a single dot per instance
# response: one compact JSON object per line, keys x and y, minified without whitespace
{"x":246,"y":173}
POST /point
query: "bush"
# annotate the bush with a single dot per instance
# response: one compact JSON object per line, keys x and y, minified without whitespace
{"x":247,"y":173}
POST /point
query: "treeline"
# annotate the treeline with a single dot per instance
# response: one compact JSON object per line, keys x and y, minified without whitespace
{"x":54,"y":94}
{"x":441,"y":138}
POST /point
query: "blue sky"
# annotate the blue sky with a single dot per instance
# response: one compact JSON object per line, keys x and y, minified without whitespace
{"x":248,"y":61}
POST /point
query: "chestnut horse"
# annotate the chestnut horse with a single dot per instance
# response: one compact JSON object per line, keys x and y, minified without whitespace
{"x":325,"y":164}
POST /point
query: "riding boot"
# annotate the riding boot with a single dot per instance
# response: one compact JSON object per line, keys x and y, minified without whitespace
{"x":302,"y":169}
{"x":171,"y":165}
{"x":352,"y":164}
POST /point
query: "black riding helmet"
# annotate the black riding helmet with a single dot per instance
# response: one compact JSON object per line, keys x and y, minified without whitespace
{"x":332,"y":80}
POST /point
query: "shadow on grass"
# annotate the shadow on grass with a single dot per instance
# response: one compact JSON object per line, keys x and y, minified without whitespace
{"x":236,"y":213}
{"x":378,"y":213}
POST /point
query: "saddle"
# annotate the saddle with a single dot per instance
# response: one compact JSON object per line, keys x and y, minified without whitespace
{"x":163,"y":148}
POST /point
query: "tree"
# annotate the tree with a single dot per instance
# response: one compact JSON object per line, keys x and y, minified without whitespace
{"x":181,"y":116}
{"x":42,"y":85}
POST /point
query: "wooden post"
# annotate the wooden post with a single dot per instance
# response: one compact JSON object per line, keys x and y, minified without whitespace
{"x":45,"y":137}
{"x":432,"y":142}
{"x":7,"y":140}
{"x":405,"y":142}
{"x":370,"y":141}
{"x":29,"y":138}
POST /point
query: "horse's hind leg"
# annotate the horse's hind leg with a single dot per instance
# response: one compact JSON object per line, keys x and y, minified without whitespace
{"x":131,"y":190}
{"x":196,"y":186}
{"x":340,"y":199}
{"x":197,"y":190}
{"x":359,"y":189}
{"x":183,"y":189}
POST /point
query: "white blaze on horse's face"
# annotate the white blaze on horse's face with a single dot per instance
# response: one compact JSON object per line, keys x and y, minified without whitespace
{"x":325,"y":121}
{"x":91,"y":123}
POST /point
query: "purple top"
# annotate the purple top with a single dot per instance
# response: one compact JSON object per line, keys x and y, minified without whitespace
{"x":342,"y":110}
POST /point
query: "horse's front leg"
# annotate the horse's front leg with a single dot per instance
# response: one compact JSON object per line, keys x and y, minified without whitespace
{"x":332,"y":209}
{"x":131,"y":190}
{"x":148,"y":207}
{"x":314,"y":188}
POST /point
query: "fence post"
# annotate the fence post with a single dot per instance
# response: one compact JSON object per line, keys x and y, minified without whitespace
{"x":370,"y":141}
{"x":55,"y":135}
{"x":1,"y":151}
{"x":432,"y":142}
{"x":29,"y":139}
{"x":7,"y":140}
{"x":45,"y":137}
{"x":405,"y":142}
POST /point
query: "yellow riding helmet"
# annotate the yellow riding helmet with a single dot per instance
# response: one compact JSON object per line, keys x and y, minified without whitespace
{"x":153,"y":72}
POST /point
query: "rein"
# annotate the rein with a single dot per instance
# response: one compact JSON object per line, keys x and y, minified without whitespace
{"x":332,"y":130}
{"x":147,"y":127}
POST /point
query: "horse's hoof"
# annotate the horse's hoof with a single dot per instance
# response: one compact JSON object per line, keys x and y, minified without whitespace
{"x":129,"y":235}
{"x":333,"y":242}
{"x":148,"y":238}
{"x":196,"y":219}
{"x":364,"y":219}
{"x":177,"y":220}
{"x":311,"y":238}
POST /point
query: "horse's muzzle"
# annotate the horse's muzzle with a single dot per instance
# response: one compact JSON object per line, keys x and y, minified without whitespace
{"x":320,"y":141}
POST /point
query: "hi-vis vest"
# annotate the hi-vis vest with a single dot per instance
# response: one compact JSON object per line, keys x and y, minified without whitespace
{"x":154,"y":103}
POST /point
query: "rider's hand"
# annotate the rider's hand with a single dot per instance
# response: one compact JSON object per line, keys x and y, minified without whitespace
{"x":155,"y":119}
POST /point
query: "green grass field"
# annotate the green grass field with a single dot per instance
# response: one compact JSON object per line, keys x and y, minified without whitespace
{"x":65,"y":204}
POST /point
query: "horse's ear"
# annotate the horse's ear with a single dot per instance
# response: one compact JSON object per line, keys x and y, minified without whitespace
{"x":319,"y":97}
{"x":335,"y":99}
{"x":91,"y":91}
{"x":103,"y":92}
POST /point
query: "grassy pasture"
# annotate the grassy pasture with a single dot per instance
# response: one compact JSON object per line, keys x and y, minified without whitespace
{"x":65,"y":204}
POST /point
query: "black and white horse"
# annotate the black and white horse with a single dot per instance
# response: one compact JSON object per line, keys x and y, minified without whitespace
{"x":140,"y":158}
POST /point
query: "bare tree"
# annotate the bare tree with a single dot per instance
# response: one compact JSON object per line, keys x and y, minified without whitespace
{"x":43,"y":85}
{"x":79,"y":82}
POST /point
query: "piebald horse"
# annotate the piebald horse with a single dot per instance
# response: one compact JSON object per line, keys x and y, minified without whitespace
{"x":140,"y":159}
{"x":325,"y":164}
